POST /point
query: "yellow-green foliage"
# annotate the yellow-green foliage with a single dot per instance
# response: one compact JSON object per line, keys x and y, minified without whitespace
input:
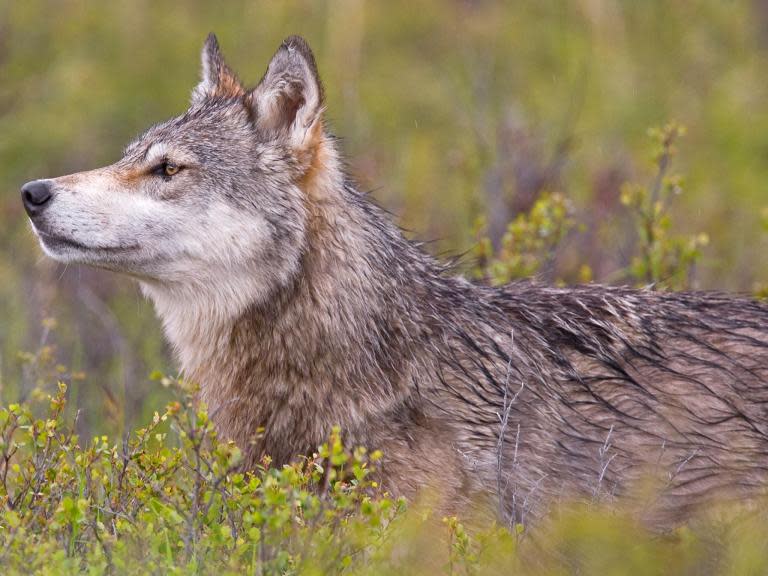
{"x":664,"y":259}
{"x":661,"y":258}
{"x":170,"y":499}
{"x":528,"y":244}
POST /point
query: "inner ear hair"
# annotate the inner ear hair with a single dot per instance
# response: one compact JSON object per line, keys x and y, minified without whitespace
{"x":289,"y":99}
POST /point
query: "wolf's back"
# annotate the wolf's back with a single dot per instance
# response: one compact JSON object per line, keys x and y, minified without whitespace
{"x":589,"y":391}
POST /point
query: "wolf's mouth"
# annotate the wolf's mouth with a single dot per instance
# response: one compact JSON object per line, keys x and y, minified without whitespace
{"x":55,"y":242}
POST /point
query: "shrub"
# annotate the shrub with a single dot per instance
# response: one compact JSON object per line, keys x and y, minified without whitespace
{"x":529,"y":243}
{"x":664,"y":259}
{"x":171,"y":499}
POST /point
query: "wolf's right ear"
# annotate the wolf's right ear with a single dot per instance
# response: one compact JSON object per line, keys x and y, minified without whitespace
{"x":288,"y":102}
{"x":216,"y":78}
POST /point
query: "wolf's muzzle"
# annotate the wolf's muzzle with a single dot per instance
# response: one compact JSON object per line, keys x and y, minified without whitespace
{"x":35,"y":195}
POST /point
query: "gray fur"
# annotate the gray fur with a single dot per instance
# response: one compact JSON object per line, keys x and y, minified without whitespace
{"x":297,"y":305}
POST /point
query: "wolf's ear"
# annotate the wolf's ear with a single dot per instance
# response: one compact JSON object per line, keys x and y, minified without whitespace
{"x":288,"y":102}
{"x":216,"y":78}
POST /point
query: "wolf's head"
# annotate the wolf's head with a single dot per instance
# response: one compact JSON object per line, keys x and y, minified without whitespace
{"x":213,"y":196}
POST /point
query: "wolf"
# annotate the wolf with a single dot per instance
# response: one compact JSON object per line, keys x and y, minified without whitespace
{"x":297,"y":305}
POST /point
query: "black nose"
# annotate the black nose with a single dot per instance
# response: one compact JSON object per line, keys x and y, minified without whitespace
{"x":35,"y":196}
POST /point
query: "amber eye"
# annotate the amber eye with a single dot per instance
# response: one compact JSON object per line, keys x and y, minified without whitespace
{"x":169,"y":169}
{"x":166,"y":169}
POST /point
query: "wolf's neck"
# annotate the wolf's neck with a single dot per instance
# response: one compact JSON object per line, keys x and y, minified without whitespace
{"x":198,"y":319}
{"x":332,"y":348}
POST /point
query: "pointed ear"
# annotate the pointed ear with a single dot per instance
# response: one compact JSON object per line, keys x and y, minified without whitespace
{"x":216,"y":78}
{"x":288,"y":102}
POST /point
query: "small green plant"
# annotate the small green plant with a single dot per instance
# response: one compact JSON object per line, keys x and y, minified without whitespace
{"x":664,"y":260}
{"x":529,"y":243}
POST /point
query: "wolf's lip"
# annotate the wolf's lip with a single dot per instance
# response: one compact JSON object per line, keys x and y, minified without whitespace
{"x":54,"y":241}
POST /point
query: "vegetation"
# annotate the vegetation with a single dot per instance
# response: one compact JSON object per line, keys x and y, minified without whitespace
{"x":154,"y":505}
{"x":513,"y":132}
{"x":170,"y":499}
{"x":662,"y":258}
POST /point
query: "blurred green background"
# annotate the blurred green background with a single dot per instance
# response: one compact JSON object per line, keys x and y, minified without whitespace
{"x":449,"y":110}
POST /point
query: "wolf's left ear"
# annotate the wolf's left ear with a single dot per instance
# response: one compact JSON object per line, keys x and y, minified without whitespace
{"x":216,"y":78}
{"x":288,"y":102}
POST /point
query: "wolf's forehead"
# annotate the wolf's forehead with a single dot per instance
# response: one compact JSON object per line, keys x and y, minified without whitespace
{"x":139,"y":146}
{"x":158,"y":143}
{"x":195,"y":127}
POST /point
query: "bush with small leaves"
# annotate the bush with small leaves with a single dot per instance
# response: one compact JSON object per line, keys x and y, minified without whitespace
{"x":172,"y":496}
{"x":529,"y":243}
{"x":664,"y":260}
